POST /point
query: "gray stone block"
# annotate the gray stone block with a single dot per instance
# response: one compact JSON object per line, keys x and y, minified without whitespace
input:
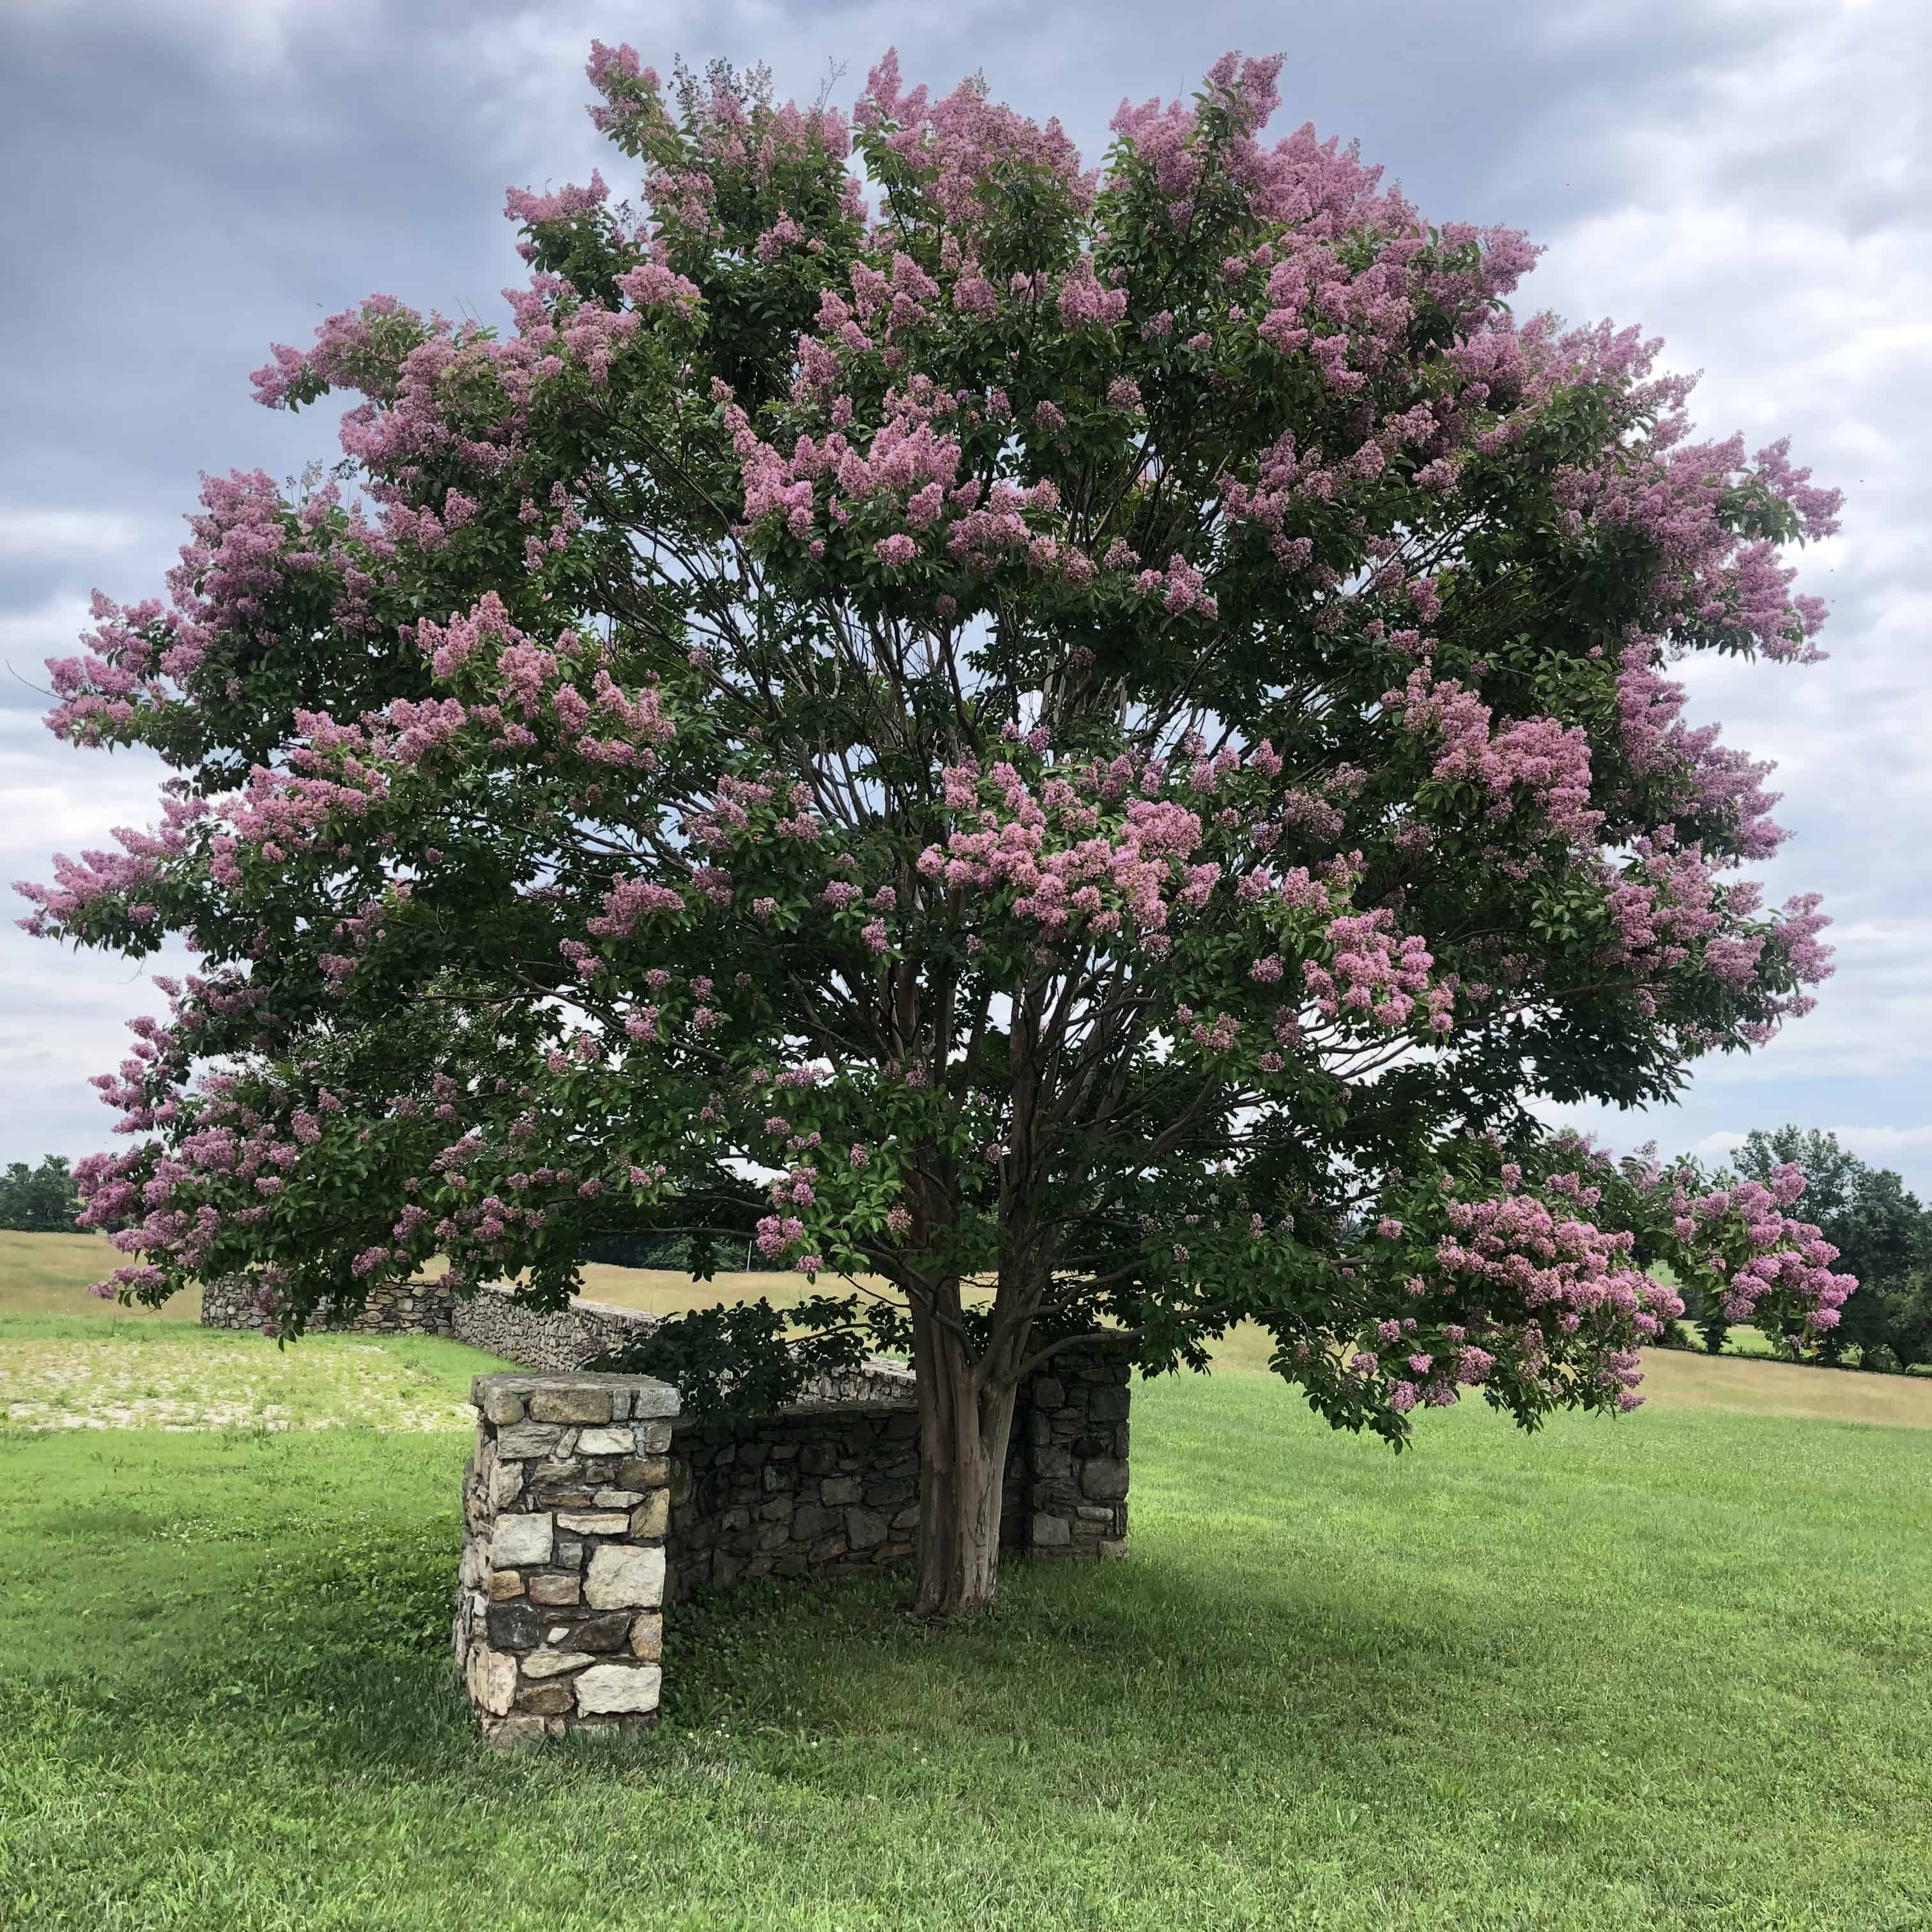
{"x":514,"y":1627}
{"x":499,"y":1405}
{"x":543,"y":1663}
{"x":606,"y":1688}
{"x":607,"y":1631}
{"x":622,"y":1576}
{"x":1104,"y":1480}
{"x":569,"y":1402}
{"x":517,"y":1540}
{"x":492,"y":1679}
{"x":809,"y":1522}
{"x":864,"y":1529}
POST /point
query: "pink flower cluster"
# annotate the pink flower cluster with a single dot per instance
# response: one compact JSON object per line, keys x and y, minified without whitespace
{"x":1548,"y":761}
{"x":956,"y":144}
{"x":100,"y":882}
{"x":906,"y":462}
{"x":1371,"y":972}
{"x":509,"y":673}
{"x":248,"y":556}
{"x":1758,"y":1252}
{"x":1719,"y":783}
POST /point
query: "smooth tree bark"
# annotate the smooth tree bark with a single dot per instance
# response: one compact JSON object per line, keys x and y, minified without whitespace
{"x":965,"y":1420}
{"x":967,"y":719}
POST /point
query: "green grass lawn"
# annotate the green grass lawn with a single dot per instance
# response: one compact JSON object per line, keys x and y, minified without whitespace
{"x":1675,"y":1670}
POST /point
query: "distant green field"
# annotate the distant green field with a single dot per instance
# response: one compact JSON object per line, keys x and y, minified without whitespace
{"x":1674,"y":1670}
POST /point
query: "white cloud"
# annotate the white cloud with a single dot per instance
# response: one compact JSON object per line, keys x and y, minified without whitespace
{"x":1886,"y":1147}
{"x":63,"y":533}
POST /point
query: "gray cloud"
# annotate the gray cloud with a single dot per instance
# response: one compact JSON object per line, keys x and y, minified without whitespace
{"x":190,"y":179}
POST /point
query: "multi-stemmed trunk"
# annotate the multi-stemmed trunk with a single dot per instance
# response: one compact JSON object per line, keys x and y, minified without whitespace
{"x":964,"y":1426}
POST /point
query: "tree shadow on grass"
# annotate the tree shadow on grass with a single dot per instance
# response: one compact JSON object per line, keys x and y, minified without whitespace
{"x":342,"y":1648}
{"x":1145,"y":1659}
{"x":321,"y":1639}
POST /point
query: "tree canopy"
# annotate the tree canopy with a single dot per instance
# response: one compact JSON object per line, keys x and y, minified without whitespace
{"x":1103,"y":735}
{"x":41,"y":1200}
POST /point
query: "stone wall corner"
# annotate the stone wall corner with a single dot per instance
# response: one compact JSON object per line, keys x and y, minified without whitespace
{"x":566,"y":1507}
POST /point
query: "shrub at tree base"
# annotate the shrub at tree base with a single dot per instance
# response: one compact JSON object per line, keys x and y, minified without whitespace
{"x":1103,"y":734}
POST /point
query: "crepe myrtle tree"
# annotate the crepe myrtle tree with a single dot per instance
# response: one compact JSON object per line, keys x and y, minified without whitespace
{"x":1098,"y":737}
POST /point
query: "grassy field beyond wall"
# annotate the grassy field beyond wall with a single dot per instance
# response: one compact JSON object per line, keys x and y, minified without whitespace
{"x":49,"y":1274}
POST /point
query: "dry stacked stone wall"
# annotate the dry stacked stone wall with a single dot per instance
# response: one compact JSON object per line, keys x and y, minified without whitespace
{"x":830,"y":1486}
{"x":591,"y":1503}
{"x":877,"y":1380}
{"x":757,"y":1501}
{"x":558,"y":1340}
{"x":835,"y":1484}
{"x":409,"y":1308}
{"x":566,"y":1506}
{"x":1073,"y":1419}
{"x":555,"y":1340}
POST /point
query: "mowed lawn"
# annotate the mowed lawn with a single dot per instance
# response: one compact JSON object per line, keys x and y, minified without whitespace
{"x":1675,"y":1670}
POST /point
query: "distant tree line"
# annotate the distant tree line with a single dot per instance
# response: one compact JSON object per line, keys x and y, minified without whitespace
{"x":728,"y":1255}
{"x":43,"y":1200}
{"x":39,"y":1200}
{"x":1883,"y":1236}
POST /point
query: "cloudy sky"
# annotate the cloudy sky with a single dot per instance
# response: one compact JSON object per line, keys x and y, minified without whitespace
{"x":190,"y":179}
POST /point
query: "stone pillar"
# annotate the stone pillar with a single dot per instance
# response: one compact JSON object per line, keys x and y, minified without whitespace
{"x":566,"y":1503}
{"x":1075,"y":1416}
